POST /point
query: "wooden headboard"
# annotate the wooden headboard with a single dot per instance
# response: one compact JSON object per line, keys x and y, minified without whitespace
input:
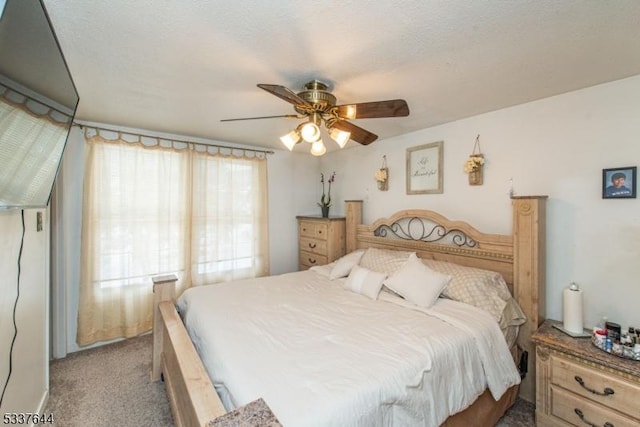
{"x":518,"y":256}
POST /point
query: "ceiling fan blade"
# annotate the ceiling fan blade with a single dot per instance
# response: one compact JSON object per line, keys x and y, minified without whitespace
{"x":286,"y":116}
{"x":284,"y":93}
{"x":358,"y":134}
{"x":372,"y":110}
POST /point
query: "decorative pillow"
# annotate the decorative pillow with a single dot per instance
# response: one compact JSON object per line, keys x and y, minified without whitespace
{"x":417,"y":283}
{"x":323,"y":270}
{"x":481,"y":288}
{"x":344,"y":265}
{"x":365,"y":282}
{"x":385,"y":261}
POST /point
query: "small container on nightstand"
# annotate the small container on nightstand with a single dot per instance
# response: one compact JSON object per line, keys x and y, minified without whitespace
{"x":579,"y":384}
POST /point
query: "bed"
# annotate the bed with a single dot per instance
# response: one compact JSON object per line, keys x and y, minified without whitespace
{"x":348,"y":379}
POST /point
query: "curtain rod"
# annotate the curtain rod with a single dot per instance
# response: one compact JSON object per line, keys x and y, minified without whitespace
{"x":50,"y":107}
{"x":158,"y":138}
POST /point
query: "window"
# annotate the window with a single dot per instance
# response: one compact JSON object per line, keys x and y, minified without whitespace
{"x":151,"y":210}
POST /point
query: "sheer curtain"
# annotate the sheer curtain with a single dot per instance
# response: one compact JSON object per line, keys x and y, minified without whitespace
{"x":22,"y":152}
{"x":151,"y":210}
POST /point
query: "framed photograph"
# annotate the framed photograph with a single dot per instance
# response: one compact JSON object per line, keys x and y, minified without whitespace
{"x":619,"y":183}
{"x":424,"y":168}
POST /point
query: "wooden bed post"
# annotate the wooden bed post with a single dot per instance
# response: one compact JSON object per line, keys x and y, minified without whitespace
{"x":164,"y":289}
{"x":354,"y":219}
{"x":529,"y":279}
{"x":192,"y":397}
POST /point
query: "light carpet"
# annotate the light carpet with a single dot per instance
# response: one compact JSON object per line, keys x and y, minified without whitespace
{"x":110,"y":386}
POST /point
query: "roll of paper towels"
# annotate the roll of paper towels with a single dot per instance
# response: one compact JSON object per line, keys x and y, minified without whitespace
{"x":572,"y":305}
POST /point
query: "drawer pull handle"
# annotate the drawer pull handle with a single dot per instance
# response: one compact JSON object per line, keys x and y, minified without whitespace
{"x":607,"y":391}
{"x":312,"y":245}
{"x":584,"y":420}
{"x":312,"y":261}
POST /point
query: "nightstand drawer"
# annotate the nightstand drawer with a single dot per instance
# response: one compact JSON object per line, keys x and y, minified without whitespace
{"x":580,"y":412}
{"x":597,"y":386}
{"x":313,"y":245}
{"x":308,"y":259}
{"x":313,"y":230}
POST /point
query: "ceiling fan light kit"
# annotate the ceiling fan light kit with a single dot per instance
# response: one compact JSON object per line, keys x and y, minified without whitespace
{"x":318,"y":105}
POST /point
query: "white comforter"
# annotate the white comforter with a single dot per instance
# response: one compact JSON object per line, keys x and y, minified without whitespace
{"x":320,"y":355}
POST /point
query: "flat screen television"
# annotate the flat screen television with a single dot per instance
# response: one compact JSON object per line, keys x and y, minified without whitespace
{"x":38,"y":101}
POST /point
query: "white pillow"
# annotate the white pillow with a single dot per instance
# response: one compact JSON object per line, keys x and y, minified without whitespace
{"x":417,"y":283}
{"x":365,"y":282}
{"x":323,"y":270}
{"x":344,"y":265}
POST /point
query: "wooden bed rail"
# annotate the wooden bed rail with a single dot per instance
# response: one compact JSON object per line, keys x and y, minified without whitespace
{"x":192,"y":397}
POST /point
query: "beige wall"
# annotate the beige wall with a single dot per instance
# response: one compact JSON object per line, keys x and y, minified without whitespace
{"x":29,"y":382}
{"x":556,"y":146}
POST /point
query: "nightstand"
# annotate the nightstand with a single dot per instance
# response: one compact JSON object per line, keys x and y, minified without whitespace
{"x":578,"y":384}
{"x":320,"y":240}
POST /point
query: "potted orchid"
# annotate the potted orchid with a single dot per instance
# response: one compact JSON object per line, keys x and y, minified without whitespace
{"x":325,"y":200}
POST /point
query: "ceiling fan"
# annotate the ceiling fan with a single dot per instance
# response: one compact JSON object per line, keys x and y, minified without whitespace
{"x":316,"y":104}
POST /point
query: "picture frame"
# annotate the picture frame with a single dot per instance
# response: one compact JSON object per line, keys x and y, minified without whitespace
{"x":424,"y":168}
{"x":619,"y":183}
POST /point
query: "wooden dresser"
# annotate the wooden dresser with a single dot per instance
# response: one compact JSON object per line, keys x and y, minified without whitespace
{"x":320,"y":240}
{"x":578,"y":384}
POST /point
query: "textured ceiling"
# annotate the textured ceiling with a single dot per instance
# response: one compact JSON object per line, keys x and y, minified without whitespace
{"x":180,"y":66}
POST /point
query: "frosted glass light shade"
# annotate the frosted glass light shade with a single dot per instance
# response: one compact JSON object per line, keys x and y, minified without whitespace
{"x":318,"y":148}
{"x":310,"y":132}
{"x":291,"y":139}
{"x":349,"y":112}
{"x":340,"y":136}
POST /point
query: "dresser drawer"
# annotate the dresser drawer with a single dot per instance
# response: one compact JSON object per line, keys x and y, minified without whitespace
{"x":308,"y":259}
{"x":313,"y":230}
{"x":320,"y":240}
{"x":598,"y":386}
{"x":313,"y":245}
{"x":581,"y":412}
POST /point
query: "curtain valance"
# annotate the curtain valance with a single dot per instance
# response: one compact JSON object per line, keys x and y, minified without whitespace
{"x":95,"y":134}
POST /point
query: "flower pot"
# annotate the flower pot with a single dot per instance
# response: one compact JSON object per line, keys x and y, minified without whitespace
{"x":325,"y":211}
{"x":475,"y":176}
{"x":382,"y":178}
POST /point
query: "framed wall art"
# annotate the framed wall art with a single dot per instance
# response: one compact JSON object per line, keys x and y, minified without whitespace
{"x":424,"y":168}
{"x":619,"y":183}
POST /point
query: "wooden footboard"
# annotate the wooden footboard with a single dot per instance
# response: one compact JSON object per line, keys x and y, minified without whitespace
{"x":192,"y":397}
